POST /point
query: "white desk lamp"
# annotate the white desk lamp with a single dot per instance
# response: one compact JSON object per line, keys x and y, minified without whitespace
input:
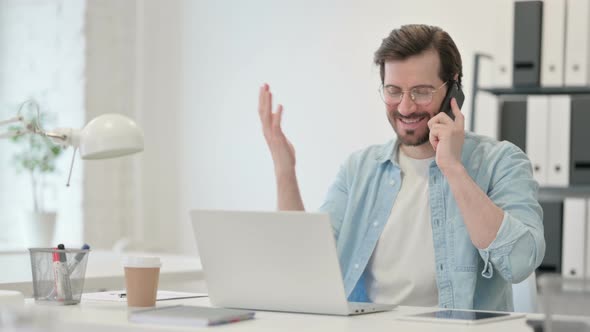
{"x":106,"y":136}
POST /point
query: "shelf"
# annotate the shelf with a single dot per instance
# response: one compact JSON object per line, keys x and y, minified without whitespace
{"x":558,"y":193}
{"x":538,"y":91}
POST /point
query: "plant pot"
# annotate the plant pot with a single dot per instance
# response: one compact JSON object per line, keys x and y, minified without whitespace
{"x":40,"y":229}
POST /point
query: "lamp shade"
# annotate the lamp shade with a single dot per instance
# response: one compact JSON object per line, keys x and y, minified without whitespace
{"x":109,"y":136}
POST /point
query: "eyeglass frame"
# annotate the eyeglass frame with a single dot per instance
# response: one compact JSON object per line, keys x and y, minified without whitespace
{"x":403,"y":93}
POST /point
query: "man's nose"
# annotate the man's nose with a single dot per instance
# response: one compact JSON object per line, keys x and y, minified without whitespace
{"x":406,"y":105}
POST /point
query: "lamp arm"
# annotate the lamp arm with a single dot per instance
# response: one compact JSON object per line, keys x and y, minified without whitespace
{"x":64,"y":136}
{"x":13,"y":120}
{"x":10,"y":134}
{"x":61,"y":136}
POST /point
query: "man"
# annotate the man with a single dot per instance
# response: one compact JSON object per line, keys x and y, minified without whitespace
{"x":437,"y":216}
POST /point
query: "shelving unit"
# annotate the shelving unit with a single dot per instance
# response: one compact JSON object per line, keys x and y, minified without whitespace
{"x":560,"y":193}
{"x":537,"y":91}
{"x":552,"y":198}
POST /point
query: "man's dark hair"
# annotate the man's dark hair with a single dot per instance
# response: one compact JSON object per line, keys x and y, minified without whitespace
{"x":414,"y":39}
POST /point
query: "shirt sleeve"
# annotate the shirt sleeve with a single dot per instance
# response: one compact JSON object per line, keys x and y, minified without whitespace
{"x":519,"y":246}
{"x":336,"y":199}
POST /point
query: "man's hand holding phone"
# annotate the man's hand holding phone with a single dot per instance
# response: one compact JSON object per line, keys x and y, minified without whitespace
{"x":447,"y":138}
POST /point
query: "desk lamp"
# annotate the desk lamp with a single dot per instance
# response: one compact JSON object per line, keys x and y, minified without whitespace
{"x":106,"y":136}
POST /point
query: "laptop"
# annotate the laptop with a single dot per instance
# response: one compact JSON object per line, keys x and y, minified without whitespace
{"x":277,"y":261}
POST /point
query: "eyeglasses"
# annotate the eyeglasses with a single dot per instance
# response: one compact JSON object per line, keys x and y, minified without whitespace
{"x":421,"y":95}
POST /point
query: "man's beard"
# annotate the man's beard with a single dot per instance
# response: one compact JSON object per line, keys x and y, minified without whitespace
{"x":409,"y":137}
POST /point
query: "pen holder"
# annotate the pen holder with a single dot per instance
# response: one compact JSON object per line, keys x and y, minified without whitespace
{"x":58,"y":275}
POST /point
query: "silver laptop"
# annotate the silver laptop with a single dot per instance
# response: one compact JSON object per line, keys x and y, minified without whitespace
{"x":279,"y":261}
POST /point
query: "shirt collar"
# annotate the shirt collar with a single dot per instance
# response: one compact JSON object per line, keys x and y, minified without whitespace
{"x":388,"y":152}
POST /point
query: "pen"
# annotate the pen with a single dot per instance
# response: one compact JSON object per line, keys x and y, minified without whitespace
{"x":63,"y":273}
{"x":57,"y":275}
{"x":77,"y":259}
{"x":69,"y":269}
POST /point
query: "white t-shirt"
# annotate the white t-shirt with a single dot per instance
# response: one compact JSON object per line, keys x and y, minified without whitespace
{"x":402,"y":268}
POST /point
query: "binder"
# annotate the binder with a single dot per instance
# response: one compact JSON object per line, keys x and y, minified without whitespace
{"x":553,"y":226}
{"x":553,"y":43}
{"x":537,"y":135}
{"x":528,"y":18}
{"x":580,"y":136}
{"x":488,"y":113}
{"x":513,"y":121}
{"x":577,"y":69}
{"x":575,"y":224}
{"x":504,"y":35}
{"x":587,"y":243}
{"x":558,"y":168}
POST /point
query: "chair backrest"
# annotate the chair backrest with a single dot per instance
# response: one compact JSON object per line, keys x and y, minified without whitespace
{"x":524,"y":295}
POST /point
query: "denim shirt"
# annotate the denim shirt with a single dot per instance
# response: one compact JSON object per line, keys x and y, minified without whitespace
{"x":360,"y":202}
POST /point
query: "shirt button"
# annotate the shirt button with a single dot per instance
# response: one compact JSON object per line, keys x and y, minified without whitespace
{"x":375,"y":224}
{"x":392,"y":182}
{"x":356,"y":266}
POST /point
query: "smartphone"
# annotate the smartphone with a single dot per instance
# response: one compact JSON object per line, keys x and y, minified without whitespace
{"x":452,"y":91}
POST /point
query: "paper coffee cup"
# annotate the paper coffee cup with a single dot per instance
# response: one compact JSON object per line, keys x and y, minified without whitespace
{"x":141,"y":280}
{"x":141,"y":261}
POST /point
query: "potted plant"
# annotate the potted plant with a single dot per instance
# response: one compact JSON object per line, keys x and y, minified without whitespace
{"x":37,"y":157}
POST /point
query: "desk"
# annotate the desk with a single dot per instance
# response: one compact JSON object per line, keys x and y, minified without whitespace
{"x":101,"y":316}
{"x":104,"y":272}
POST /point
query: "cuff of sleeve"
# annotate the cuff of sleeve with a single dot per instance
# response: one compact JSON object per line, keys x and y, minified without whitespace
{"x":488,"y":268}
{"x":496,"y":254}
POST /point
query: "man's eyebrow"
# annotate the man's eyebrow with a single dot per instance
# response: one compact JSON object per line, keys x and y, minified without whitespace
{"x":415,"y":86}
{"x":423,"y":86}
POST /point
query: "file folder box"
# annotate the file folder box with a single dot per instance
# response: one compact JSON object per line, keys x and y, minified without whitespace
{"x":513,"y":119}
{"x":558,"y":143}
{"x":553,"y":43}
{"x":537,"y":135}
{"x":503,"y":43}
{"x":487,"y":121}
{"x":552,"y":223}
{"x":580,"y":140}
{"x":577,"y":43}
{"x":575,"y":244}
{"x":528,"y":19}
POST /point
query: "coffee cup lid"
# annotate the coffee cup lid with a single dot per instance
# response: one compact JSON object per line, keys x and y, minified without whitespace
{"x":141,"y":261}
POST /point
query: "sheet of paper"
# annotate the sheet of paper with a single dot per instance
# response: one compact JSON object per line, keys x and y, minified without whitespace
{"x":120,"y":296}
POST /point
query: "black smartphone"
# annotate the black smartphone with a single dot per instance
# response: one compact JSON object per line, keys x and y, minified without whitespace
{"x":452,"y":91}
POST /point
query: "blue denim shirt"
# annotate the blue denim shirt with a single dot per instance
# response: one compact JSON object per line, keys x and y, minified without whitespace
{"x":360,"y":202}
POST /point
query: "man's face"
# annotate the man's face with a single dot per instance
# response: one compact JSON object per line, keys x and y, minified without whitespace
{"x":408,"y":119}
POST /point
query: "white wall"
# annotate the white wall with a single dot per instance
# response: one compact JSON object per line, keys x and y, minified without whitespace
{"x":42,"y":50}
{"x":109,"y":185}
{"x":203,"y":63}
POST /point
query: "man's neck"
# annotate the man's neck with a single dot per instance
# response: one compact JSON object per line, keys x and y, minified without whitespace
{"x":422,"y":151}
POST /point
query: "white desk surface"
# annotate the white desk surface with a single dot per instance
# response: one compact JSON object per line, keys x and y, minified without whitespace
{"x":101,"y":316}
{"x":104,"y":270}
